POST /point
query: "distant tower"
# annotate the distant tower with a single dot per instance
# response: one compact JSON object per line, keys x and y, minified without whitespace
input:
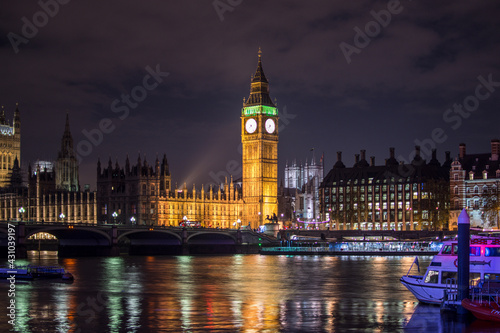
{"x":10,"y":143}
{"x":67,"y":164}
{"x":259,"y":138}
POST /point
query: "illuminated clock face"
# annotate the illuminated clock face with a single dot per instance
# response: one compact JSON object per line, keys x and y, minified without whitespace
{"x":270,"y":126}
{"x":251,"y":125}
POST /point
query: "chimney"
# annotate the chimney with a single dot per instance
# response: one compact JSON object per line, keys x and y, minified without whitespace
{"x":461,"y":149}
{"x":356,"y":158}
{"x":447,"y":155}
{"x":434,"y":154}
{"x":363,"y":154}
{"x":372,"y":160}
{"x":339,"y":156}
{"x":417,"y":151}
{"x":495,"y":149}
{"x":391,"y":150}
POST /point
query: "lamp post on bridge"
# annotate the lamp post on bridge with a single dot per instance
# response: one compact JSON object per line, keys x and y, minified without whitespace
{"x":115,"y":215}
{"x":132,"y":220}
{"x":62,"y":216}
{"x":21,"y":212}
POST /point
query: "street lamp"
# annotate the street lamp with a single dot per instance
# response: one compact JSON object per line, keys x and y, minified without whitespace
{"x":115,"y":215}
{"x":132,"y":220}
{"x":62,"y":216}
{"x":21,"y":211}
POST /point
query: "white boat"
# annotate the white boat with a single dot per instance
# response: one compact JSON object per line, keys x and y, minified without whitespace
{"x":442,"y":275}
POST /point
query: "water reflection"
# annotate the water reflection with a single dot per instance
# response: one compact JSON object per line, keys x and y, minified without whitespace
{"x":227,"y":293}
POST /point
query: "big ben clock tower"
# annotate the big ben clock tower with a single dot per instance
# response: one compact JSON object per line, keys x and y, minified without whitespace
{"x":259,"y":138}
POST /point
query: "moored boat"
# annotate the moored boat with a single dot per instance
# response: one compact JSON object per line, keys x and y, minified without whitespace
{"x":31,"y":272}
{"x":483,"y":310}
{"x":17,"y":273}
{"x":442,"y":274}
{"x":483,"y":301}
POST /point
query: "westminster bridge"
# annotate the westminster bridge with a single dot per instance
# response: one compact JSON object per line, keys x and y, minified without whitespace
{"x":81,"y":239}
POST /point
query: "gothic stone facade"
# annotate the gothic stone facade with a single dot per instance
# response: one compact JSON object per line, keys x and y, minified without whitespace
{"x":44,"y":199}
{"x":142,"y":194}
{"x":474,"y":183}
{"x":10,"y":146}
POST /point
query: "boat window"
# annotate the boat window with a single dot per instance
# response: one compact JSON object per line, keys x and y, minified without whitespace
{"x":475,"y":250}
{"x":446,"y":249}
{"x":455,"y":248}
{"x":474,"y":278}
{"x":491,"y":276}
{"x":492,"y":252}
{"x":449,"y":275}
{"x":432,"y":277}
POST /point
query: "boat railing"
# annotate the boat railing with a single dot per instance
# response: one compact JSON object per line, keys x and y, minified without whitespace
{"x":487,"y":291}
{"x":450,"y":291}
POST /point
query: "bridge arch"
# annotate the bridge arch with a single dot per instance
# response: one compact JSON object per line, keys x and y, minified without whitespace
{"x":64,"y":233}
{"x":203,"y":233}
{"x":142,"y":232}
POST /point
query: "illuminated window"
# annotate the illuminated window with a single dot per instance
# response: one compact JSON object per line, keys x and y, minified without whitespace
{"x":475,"y":251}
{"x":492,"y":252}
{"x":432,"y":277}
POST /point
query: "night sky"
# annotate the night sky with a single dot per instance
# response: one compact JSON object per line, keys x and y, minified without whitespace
{"x":343,"y":80}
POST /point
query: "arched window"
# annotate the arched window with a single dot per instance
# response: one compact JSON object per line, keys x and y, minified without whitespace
{"x":455,"y":190}
{"x":476,"y":189}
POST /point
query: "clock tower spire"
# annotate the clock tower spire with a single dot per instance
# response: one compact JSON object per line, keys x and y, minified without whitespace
{"x":259,"y":138}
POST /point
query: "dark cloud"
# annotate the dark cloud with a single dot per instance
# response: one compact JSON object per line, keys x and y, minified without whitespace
{"x":393,"y":92}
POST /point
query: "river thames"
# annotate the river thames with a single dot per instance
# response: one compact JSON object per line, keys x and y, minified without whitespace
{"x":234,"y":293}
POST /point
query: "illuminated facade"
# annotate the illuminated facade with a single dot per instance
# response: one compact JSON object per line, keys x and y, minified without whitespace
{"x":142,"y":194}
{"x":302,"y":181}
{"x":474,"y":183}
{"x":10,"y":146}
{"x":393,"y":196}
{"x":44,"y":199}
{"x":259,"y":138}
{"x":67,"y":164}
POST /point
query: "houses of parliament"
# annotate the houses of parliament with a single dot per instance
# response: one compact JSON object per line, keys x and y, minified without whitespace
{"x":140,"y":192}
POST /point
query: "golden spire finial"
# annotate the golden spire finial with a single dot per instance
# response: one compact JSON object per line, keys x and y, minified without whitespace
{"x":260,"y":52}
